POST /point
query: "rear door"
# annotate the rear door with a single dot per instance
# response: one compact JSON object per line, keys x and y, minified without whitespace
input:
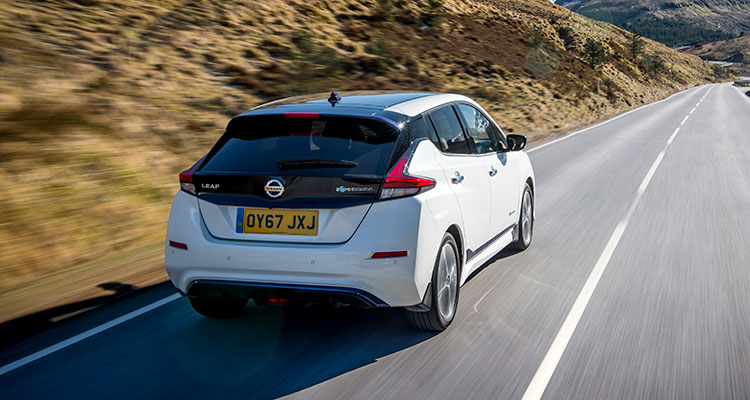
{"x":298,"y":177}
{"x":467,"y":175}
{"x":503,"y":178}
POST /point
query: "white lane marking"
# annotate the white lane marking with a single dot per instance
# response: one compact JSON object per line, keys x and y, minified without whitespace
{"x":570,"y":135}
{"x":481,"y":298}
{"x":542,"y":376}
{"x":547,"y":368}
{"x":685,"y":119}
{"x":85,"y":335}
{"x":671,"y":138}
{"x":693,"y":110}
{"x":650,"y":174}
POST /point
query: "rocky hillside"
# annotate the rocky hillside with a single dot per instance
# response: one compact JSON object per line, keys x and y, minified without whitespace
{"x":103,"y":102}
{"x":674,"y":22}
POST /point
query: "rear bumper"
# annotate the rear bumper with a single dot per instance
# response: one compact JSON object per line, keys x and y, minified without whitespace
{"x":345,"y":269}
{"x":288,"y":292}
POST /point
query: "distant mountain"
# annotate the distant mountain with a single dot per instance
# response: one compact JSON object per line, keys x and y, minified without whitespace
{"x":735,"y":51}
{"x":672,"y":22}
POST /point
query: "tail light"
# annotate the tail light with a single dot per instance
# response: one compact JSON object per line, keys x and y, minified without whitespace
{"x":186,"y":179}
{"x":399,"y":183}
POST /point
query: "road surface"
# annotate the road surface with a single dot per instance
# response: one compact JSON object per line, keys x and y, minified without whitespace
{"x":637,"y":286}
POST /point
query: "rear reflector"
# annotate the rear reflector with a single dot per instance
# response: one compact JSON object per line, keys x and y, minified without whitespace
{"x":178,"y":245}
{"x":390,"y":254}
{"x":278,"y":300}
{"x":301,"y":115}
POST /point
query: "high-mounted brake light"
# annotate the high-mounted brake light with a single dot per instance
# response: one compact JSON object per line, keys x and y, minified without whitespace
{"x":399,"y":183}
{"x":186,"y":179}
{"x":310,"y":115}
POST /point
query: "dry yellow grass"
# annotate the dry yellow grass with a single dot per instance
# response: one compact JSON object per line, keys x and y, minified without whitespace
{"x":102,"y":103}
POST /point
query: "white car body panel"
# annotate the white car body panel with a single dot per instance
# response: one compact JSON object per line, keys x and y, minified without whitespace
{"x":482,"y":211}
{"x":472,"y":194}
{"x":334,"y":225}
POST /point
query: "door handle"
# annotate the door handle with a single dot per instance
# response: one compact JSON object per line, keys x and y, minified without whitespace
{"x":493,"y":171}
{"x":458,"y":178}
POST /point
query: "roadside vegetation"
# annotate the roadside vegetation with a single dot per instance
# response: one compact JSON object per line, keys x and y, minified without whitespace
{"x":102,"y":103}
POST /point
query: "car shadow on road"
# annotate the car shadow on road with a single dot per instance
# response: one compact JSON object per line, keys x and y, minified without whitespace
{"x":26,"y":326}
{"x":505,"y":253}
{"x":275,"y":351}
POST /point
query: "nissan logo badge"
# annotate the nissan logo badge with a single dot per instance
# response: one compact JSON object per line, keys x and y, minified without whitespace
{"x":274,"y":188}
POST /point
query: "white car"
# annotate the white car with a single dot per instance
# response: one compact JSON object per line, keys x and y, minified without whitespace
{"x":379,"y":199}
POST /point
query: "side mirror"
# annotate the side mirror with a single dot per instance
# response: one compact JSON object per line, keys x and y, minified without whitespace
{"x":516,"y":142}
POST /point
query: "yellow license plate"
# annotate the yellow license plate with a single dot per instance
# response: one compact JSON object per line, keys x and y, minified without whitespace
{"x":277,"y":222}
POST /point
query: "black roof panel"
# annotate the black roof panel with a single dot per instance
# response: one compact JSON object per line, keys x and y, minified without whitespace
{"x":374,"y":100}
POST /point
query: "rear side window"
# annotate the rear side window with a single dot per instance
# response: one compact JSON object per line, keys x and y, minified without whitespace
{"x":449,"y":132}
{"x":481,"y":130}
{"x":323,"y":146}
{"x":418,"y":128}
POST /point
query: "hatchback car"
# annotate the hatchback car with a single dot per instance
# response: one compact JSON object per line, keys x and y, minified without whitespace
{"x":370,"y":199}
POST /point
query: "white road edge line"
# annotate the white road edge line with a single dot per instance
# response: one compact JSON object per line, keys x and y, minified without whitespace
{"x":85,"y":335}
{"x":543,"y":374}
{"x":569,"y":135}
{"x":739,"y":92}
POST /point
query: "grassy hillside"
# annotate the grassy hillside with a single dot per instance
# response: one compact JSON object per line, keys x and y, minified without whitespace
{"x":673,"y":22}
{"x":736,"y":51}
{"x":102,"y":103}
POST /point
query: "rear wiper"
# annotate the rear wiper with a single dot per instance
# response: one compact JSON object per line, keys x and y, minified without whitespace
{"x":314,"y":163}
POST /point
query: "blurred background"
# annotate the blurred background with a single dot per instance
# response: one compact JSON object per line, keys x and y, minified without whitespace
{"x":103,"y":102}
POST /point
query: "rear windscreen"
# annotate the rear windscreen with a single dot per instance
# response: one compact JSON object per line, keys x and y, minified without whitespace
{"x":323,"y":146}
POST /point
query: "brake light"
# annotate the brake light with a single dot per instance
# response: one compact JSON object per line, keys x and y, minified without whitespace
{"x":311,"y":115}
{"x":186,"y":179}
{"x":399,"y":183}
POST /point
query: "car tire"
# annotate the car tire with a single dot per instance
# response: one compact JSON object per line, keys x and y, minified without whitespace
{"x":525,"y":221}
{"x":218,"y":307}
{"x":444,"y":289}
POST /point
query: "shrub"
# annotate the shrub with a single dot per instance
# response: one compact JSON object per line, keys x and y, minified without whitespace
{"x":610,"y":88}
{"x":652,"y":64}
{"x":385,"y":10}
{"x":433,"y":15}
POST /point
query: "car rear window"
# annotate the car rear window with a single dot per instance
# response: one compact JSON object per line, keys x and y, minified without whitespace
{"x":322,"y":146}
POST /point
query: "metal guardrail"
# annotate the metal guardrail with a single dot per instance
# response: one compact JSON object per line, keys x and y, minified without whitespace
{"x":742,"y":83}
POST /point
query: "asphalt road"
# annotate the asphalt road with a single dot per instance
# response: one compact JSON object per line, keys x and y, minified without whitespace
{"x":637,"y":286}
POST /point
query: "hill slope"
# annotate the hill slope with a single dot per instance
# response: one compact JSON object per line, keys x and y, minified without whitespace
{"x":673,"y":22}
{"x":736,"y":51}
{"x":104,"y":102}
